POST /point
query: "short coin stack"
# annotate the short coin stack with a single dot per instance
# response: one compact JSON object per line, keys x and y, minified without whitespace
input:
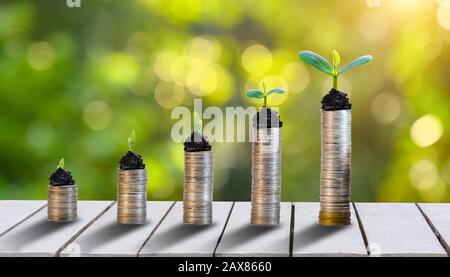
{"x":198,"y":187}
{"x":335,"y":167}
{"x":266,"y":176}
{"x":62,"y":203}
{"x":132,"y":196}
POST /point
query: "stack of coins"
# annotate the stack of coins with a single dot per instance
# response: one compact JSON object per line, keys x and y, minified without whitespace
{"x":62,"y":203}
{"x":132,"y":196}
{"x":198,"y":187}
{"x":266,"y":176}
{"x":335,"y":167}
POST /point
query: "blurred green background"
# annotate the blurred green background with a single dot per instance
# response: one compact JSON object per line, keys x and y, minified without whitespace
{"x":75,"y":81}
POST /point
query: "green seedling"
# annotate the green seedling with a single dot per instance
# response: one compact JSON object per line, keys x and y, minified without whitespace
{"x":263,"y":94}
{"x":322,"y":64}
{"x":61,"y":163}
{"x":131,"y":140}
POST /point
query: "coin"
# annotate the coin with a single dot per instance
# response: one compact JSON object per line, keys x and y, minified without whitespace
{"x":132,"y":196}
{"x":198,"y":187}
{"x":266,"y":176}
{"x":335,"y":167}
{"x":62,"y":203}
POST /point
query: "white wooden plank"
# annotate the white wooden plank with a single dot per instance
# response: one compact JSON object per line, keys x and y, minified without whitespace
{"x":439,"y":215}
{"x":107,"y":238}
{"x":173,"y":238}
{"x":313,"y":239}
{"x":398,"y":229}
{"x":243,"y":239}
{"x":12,"y":212}
{"x":39,"y":237}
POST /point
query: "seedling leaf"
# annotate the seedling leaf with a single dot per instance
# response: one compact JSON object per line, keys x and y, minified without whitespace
{"x":255,"y":93}
{"x":336,"y":58}
{"x":315,"y":60}
{"x":276,"y":90}
{"x":359,"y":61}
{"x":131,"y":140}
{"x":61,"y":163}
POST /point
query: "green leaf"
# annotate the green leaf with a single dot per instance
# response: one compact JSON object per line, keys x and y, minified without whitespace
{"x":131,"y":140}
{"x":315,"y":60}
{"x":255,"y":93}
{"x":276,"y":90}
{"x":359,"y":61}
{"x":61,"y":163}
{"x":336,"y":57}
{"x":198,"y":123}
{"x":336,"y":61}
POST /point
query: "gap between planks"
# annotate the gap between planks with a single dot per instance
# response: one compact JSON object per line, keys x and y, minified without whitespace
{"x":74,"y":237}
{"x":23,"y":220}
{"x":435,"y":230}
{"x":156,"y":228}
{"x":361,"y":229}
{"x":223,"y":230}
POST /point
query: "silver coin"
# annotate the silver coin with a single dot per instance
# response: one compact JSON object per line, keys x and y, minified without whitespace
{"x":266,"y":176}
{"x":62,"y":203}
{"x":335,"y":162}
{"x":198,"y":187}
{"x":132,"y":196}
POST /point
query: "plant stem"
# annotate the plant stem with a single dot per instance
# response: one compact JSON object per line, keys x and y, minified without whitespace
{"x":265,"y":95}
{"x":335,"y":82}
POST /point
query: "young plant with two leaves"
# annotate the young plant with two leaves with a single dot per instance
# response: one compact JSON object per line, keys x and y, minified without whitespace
{"x":263,"y":94}
{"x":322,"y":64}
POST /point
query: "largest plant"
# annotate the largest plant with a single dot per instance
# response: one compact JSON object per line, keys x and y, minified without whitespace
{"x":322,"y":64}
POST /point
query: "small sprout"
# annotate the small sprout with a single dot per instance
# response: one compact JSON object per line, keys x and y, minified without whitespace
{"x":61,"y":163}
{"x":131,"y":140}
{"x":198,"y":123}
{"x":258,"y":94}
{"x":321,"y":64}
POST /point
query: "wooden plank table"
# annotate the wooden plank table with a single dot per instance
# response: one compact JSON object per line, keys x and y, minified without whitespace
{"x":313,"y":239}
{"x":14,"y":212}
{"x":398,"y":229}
{"x":240,"y":238}
{"x":378,"y":229}
{"x":38,"y":237}
{"x":173,"y":238}
{"x":107,"y":238}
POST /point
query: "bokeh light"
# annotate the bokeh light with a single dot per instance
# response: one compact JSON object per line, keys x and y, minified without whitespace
{"x":41,"y":55}
{"x":169,"y":94}
{"x":97,"y":115}
{"x":373,"y":26}
{"x":443,"y":15}
{"x":119,"y":68}
{"x":297,"y":76}
{"x":385,"y":108}
{"x":257,"y":59}
{"x":76,"y":87}
{"x":423,"y":174}
{"x":426,"y":130}
{"x":163,"y":64}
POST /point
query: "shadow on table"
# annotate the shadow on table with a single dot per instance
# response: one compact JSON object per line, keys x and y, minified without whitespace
{"x":108,"y":233}
{"x":245,"y":234}
{"x":314,"y":233}
{"x":32,"y":233}
{"x":177,"y":234}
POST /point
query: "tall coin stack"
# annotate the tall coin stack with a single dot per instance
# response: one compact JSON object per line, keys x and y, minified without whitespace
{"x":198,"y":187}
{"x":335,"y":167}
{"x":132,"y":196}
{"x":62,"y":203}
{"x":266,"y":176}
